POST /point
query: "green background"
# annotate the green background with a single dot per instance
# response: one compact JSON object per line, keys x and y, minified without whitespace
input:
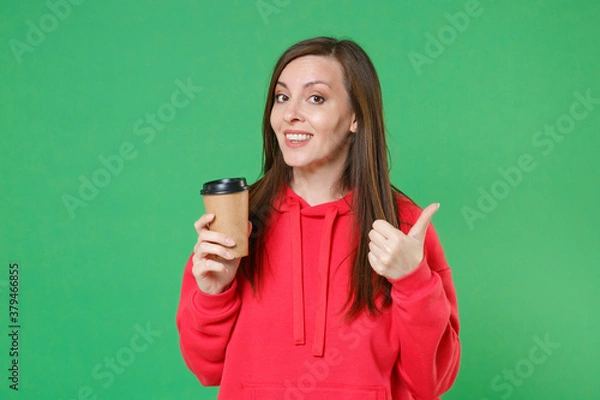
{"x":526,"y":268}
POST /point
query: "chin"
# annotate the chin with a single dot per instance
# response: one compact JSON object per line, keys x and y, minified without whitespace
{"x":294,"y":162}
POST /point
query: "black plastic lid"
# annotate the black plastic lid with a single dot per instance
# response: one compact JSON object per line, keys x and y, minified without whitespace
{"x":224,"y":186}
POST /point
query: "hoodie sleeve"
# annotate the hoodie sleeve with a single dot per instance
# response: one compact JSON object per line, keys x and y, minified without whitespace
{"x":205,"y":322}
{"x":425,"y":321}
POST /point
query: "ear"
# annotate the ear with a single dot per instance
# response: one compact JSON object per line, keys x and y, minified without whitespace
{"x":354,"y":124}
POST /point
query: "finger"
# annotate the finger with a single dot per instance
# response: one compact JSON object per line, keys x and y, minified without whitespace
{"x":386,"y":229}
{"x":381,"y":255}
{"x":375,"y":264}
{"x":206,"y":235}
{"x":203,"y":221}
{"x":205,"y":266}
{"x":420,"y":227}
{"x":377,"y":238}
{"x":211,"y":249}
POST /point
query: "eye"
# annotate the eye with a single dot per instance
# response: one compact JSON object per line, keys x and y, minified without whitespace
{"x":316,"y":99}
{"x":280,"y":98}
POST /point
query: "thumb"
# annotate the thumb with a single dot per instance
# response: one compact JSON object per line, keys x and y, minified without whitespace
{"x":420,"y":227}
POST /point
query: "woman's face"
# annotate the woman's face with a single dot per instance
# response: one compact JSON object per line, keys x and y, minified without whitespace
{"x":312,"y":116}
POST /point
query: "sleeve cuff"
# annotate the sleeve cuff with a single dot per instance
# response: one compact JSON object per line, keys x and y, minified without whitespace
{"x":414,"y":282}
{"x":206,"y":303}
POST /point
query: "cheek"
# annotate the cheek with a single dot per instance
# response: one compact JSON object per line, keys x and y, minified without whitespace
{"x":338,"y":128}
{"x":275,"y":118}
{"x":323,"y":122}
{"x":276,"y":125}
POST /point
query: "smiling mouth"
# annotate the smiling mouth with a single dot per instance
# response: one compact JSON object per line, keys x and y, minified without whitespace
{"x":298,"y":137}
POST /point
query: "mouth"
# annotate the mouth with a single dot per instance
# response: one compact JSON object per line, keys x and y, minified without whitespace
{"x":298,"y":137}
{"x":295,"y":137}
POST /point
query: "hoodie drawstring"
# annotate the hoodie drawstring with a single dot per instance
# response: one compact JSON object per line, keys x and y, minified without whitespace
{"x":323,"y":284}
{"x":298,"y":280}
{"x":297,"y":209}
{"x":318,"y":347}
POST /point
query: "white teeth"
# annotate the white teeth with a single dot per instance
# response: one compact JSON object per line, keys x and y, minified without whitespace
{"x":297,"y":137}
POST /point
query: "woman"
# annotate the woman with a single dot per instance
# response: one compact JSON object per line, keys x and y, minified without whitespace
{"x":346,"y":292}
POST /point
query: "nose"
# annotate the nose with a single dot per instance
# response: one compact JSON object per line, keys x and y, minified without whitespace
{"x":293,"y":111}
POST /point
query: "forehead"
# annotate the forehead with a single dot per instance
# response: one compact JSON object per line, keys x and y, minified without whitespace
{"x":311,"y":68}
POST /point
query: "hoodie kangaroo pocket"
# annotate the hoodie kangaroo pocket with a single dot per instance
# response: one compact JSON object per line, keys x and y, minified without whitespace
{"x":271,"y":391}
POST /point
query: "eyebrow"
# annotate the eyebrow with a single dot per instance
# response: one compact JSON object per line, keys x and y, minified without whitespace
{"x":307,"y":84}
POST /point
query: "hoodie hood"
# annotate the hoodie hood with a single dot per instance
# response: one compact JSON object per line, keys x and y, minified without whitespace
{"x":299,"y":211}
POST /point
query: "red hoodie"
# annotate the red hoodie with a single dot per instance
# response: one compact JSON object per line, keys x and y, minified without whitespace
{"x":290,"y":342}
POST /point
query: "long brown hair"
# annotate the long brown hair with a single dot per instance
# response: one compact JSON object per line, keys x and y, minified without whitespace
{"x":366,"y":172}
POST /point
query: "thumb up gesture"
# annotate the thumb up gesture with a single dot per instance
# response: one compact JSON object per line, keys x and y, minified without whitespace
{"x":394,"y":254}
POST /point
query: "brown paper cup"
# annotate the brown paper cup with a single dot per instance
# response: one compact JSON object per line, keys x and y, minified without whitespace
{"x":231,"y":216}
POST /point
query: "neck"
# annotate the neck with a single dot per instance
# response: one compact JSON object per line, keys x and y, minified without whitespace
{"x":316,"y":188}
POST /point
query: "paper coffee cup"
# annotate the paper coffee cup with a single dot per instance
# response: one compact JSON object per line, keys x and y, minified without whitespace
{"x":227,"y":199}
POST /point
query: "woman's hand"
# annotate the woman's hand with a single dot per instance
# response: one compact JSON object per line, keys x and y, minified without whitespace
{"x":214,"y":266}
{"x":394,"y":254}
